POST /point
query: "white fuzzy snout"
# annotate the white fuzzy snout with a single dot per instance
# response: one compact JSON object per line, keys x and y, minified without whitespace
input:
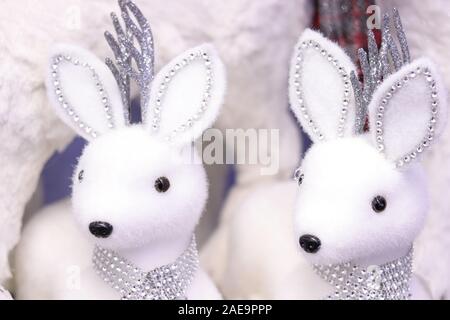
{"x":341,"y":178}
{"x":118,"y":189}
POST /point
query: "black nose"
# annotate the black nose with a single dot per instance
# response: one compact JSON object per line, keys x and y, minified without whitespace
{"x":310,"y":243}
{"x":100,"y":229}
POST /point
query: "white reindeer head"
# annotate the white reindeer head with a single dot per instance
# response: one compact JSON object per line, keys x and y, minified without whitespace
{"x":362,"y":195}
{"x":136,"y":183}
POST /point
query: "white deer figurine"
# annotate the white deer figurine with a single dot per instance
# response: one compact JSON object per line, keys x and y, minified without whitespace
{"x":138,"y":188}
{"x":362,"y":196}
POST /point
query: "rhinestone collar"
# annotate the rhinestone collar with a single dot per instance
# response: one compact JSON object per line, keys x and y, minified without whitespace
{"x":167,"y":282}
{"x":389,"y":281}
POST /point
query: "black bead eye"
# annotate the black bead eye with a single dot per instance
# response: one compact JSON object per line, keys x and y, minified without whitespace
{"x":162,"y":184}
{"x":80,"y":175}
{"x":298,"y":176}
{"x":379,"y":204}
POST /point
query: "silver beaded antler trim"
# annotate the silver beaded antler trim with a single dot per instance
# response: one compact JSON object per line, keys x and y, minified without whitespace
{"x":413,"y":75}
{"x":125,"y":53}
{"x":389,"y":281}
{"x":156,"y":107}
{"x":168,"y":282}
{"x":378,"y":65}
{"x":313,"y":45}
{"x":57,"y":61}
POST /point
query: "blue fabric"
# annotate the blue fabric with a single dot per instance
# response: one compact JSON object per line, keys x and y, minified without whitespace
{"x":57,"y":173}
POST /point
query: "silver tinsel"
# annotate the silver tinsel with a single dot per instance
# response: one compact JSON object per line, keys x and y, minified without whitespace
{"x":389,"y":281}
{"x":125,"y":53}
{"x":378,"y":65}
{"x":401,"y":36}
{"x":168,"y":282}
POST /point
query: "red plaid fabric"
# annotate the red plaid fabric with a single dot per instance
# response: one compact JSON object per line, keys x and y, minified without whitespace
{"x":344,"y":21}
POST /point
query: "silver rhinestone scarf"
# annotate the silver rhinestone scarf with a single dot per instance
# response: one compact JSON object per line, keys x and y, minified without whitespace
{"x":389,"y":281}
{"x":168,"y":282}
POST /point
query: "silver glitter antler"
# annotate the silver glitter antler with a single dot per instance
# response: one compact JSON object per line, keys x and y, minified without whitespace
{"x":125,"y":53}
{"x":378,"y":65}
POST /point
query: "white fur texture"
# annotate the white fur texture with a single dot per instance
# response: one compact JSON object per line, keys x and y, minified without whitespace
{"x":322,"y":87}
{"x":427,"y":27}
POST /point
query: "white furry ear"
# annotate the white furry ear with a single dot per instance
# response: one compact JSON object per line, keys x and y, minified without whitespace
{"x":320,"y":89}
{"x":83,"y":91}
{"x":186,"y":95}
{"x":408,"y":111}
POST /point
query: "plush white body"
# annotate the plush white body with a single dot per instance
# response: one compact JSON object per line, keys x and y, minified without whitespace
{"x":67,"y":274}
{"x":94,"y":288}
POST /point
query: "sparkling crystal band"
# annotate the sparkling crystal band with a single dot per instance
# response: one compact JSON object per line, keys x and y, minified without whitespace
{"x":389,"y":281}
{"x":168,"y":282}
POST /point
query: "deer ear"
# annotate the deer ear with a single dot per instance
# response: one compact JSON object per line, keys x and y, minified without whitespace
{"x":408,"y":111}
{"x":83,"y":92}
{"x":320,"y":89}
{"x":186,"y":95}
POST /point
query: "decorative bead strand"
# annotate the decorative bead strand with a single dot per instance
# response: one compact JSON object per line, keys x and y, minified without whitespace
{"x":167,"y":282}
{"x":206,"y":96}
{"x":434,"y":108}
{"x":65,"y":105}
